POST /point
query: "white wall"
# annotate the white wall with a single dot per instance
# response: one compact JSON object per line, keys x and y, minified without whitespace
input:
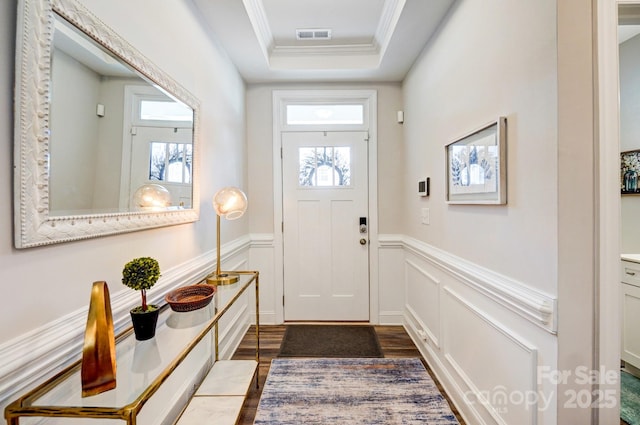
{"x":108,"y":162}
{"x":630,"y":136}
{"x":74,"y":149}
{"x":86,"y":150}
{"x":489,"y":59}
{"x":476,"y":272}
{"x":47,"y":285}
{"x":260,"y":130}
{"x":390,"y":178}
{"x":506,"y":69}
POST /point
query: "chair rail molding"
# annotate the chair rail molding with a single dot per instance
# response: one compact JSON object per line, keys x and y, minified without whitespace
{"x":262,"y":240}
{"x":535,"y":306}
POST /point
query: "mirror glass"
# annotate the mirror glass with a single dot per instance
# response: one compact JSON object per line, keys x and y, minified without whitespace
{"x":112,"y":131}
{"x":105,"y":141}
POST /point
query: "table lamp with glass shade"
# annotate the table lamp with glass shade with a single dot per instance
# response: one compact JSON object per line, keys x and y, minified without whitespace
{"x":230,"y":203}
{"x":151,"y":197}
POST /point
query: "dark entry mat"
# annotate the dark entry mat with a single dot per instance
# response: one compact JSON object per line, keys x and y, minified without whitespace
{"x":330,"y":341}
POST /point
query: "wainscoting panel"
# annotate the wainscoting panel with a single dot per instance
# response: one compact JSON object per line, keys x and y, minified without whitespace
{"x":423,"y":301}
{"x":391,"y":284}
{"x":262,"y":258}
{"x":236,"y":327}
{"x":234,"y":324}
{"x":165,"y":406}
{"x":483,"y":334}
{"x":497,"y":367}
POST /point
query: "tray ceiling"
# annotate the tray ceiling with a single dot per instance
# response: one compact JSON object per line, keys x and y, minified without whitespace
{"x":369,"y":40}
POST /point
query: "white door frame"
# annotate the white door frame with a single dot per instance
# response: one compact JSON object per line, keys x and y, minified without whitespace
{"x":607,"y":332}
{"x":280,"y":99}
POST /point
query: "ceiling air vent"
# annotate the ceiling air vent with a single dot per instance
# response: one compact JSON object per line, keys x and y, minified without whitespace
{"x":313,"y":34}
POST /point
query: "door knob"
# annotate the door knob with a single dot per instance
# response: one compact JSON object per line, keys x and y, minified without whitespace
{"x":363,"y":241}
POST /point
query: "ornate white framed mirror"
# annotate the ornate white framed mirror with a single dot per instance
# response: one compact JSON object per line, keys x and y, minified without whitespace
{"x":98,"y":127}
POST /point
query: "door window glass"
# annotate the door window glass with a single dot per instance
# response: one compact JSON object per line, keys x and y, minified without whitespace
{"x":325,"y":166}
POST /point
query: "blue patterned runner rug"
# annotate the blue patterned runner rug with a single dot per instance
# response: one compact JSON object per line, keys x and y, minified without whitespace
{"x":351,"y":391}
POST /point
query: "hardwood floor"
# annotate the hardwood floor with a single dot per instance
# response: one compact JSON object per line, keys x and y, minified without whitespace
{"x":394,"y":340}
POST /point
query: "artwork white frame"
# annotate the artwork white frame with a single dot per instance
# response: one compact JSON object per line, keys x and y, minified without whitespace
{"x":476,"y":166}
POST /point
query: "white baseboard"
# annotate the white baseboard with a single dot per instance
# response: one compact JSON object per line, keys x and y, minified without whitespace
{"x":266,"y":318}
{"x":391,"y":318}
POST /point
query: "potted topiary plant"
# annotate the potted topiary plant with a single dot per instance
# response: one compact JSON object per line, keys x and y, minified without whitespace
{"x":141,"y":274}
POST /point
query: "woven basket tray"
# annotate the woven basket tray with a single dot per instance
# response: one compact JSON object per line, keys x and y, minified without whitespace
{"x":189,"y":298}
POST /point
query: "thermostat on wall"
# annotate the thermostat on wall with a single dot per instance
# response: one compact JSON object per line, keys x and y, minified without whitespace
{"x":423,"y":187}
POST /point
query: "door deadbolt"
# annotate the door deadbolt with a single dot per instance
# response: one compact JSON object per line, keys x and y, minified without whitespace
{"x":363,"y":225}
{"x":363,"y":241}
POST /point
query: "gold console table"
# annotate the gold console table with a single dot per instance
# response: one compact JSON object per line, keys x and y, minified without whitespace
{"x":142,"y":366}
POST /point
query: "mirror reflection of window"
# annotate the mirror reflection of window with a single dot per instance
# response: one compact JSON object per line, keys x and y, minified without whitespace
{"x":155,"y":110}
{"x":88,"y":102}
{"x":170,"y":162}
{"x":161,"y":144}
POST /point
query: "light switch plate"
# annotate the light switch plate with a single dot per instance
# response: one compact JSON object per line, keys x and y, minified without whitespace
{"x":424,"y":214}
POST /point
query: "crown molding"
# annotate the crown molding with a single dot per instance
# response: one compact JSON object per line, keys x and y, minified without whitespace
{"x":387,"y":25}
{"x":260,"y":23}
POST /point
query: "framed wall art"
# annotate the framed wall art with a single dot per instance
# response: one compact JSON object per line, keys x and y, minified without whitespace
{"x":630,"y":172}
{"x":476,"y":166}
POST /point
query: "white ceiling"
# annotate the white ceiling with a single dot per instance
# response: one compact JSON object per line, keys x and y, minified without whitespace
{"x":371,"y":40}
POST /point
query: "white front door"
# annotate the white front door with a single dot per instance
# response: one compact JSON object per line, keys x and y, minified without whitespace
{"x":325,"y":198}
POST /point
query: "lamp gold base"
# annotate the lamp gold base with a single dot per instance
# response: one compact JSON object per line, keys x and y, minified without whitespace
{"x":222,"y":279}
